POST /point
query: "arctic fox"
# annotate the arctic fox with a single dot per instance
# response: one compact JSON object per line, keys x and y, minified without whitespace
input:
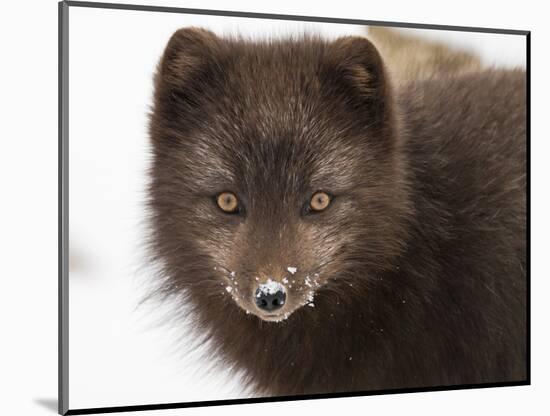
{"x":330,"y":233}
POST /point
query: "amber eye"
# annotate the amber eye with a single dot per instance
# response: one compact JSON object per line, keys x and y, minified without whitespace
{"x":319,"y":201}
{"x":228,"y":202}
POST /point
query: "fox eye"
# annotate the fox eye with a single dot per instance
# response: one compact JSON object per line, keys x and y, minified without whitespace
{"x":319,"y":201}
{"x":228,"y":202}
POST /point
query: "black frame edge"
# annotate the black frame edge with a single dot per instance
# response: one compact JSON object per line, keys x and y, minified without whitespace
{"x":63,"y":205}
{"x":165,"y":9}
{"x":528,"y":199}
{"x":211,"y":403}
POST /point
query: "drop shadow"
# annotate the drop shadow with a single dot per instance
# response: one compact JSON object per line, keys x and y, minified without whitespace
{"x":48,"y":404}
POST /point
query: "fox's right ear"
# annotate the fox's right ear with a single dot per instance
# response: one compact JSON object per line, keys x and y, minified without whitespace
{"x":189,"y":55}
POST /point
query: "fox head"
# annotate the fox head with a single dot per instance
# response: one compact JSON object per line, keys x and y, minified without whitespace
{"x":276,"y":177}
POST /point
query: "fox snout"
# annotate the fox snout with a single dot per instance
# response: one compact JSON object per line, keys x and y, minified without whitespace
{"x":270,"y":296}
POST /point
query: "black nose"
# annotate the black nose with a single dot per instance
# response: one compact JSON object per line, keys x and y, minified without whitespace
{"x":269,"y":300}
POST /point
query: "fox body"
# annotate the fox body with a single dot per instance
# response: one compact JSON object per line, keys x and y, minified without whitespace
{"x":329,"y":233}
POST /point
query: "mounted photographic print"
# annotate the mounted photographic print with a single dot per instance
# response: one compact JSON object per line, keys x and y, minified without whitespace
{"x":264,"y":207}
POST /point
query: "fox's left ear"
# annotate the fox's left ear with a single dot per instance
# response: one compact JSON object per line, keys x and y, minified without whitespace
{"x":360,"y":64}
{"x":357,"y":68}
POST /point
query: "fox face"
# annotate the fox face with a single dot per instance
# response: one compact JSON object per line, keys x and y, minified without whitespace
{"x":276,"y":175}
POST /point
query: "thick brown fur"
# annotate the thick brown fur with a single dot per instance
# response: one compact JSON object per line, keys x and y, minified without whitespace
{"x":419,"y":261}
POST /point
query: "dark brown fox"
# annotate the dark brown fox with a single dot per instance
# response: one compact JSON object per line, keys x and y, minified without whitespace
{"x":331,"y":234}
